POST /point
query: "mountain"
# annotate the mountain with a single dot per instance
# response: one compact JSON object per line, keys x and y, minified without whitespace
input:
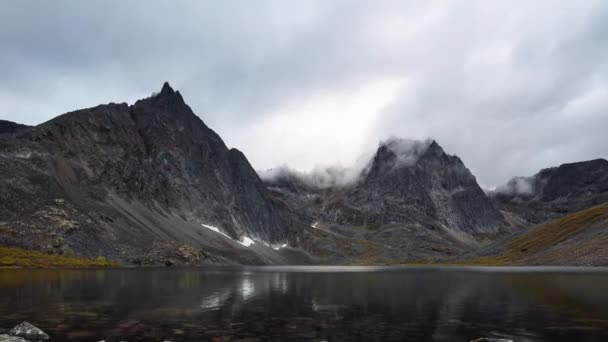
{"x":554,"y":192}
{"x":419,"y":182}
{"x":11,"y":127}
{"x":146,"y":183}
{"x":151,"y":184}
{"x":412,"y":201}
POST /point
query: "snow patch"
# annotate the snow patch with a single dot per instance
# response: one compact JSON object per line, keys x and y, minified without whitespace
{"x":215,"y":229}
{"x":246,"y":241}
{"x":278,"y":247}
{"x":21,"y":155}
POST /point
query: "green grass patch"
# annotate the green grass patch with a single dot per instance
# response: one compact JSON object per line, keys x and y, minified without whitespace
{"x":17,"y":257}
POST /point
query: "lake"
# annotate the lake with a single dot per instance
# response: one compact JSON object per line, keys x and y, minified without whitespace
{"x":309,"y":303}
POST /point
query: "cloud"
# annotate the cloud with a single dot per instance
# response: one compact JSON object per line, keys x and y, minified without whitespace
{"x":318,"y":178}
{"x":510,"y":87}
{"x":517,"y":186}
{"x":407,"y":151}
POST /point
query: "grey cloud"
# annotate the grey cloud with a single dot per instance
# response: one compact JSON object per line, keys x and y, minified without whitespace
{"x":517,"y":186}
{"x":319,"y":177}
{"x":510,"y":87}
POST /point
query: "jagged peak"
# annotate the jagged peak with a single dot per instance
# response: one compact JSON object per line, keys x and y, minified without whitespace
{"x":166,"y":89}
{"x":397,"y":154}
{"x":401,"y":152}
{"x":435,"y":146}
{"x":168,"y":93}
{"x":434,"y":149}
{"x":166,"y":97}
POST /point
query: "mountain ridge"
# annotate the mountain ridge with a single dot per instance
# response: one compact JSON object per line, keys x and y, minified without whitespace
{"x":142,"y":165}
{"x":8,"y":127}
{"x":555,"y":191}
{"x":150,"y":183}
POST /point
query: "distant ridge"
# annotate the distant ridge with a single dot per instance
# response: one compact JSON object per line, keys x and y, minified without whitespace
{"x":11,"y":127}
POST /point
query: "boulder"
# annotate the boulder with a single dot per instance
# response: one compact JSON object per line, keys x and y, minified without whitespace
{"x":29,"y":331}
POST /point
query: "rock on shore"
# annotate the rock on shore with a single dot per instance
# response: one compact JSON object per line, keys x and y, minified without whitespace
{"x":24,"y":331}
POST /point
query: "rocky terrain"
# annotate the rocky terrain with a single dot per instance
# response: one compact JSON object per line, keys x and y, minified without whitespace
{"x":416,"y":203}
{"x":147,"y":184}
{"x":554,"y":192}
{"x":577,"y":239}
{"x":412,"y":202}
{"x":151,"y":184}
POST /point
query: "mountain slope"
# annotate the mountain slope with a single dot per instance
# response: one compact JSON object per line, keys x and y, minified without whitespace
{"x":136,"y":183}
{"x":554,"y":192}
{"x":577,"y":239}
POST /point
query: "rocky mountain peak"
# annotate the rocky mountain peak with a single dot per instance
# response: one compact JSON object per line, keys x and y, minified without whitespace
{"x":398,"y":154}
{"x":167,"y":90}
{"x":154,"y":169}
{"x":427,"y":186}
{"x":384,"y":161}
{"x":434,"y":150}
{"x":168,"y":99}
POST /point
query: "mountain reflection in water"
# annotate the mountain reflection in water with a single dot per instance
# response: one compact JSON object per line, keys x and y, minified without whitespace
{"x":308,"y":303}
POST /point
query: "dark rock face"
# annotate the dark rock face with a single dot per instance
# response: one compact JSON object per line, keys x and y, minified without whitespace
{"x":121,"y":179}
{"x":415,"y":182}
{"x":556,"y":191}
{"x":573,"y":180}
{"x":11,"y":127}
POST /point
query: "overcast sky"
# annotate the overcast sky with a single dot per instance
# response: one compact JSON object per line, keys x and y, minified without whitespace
{"x":509,"y":86}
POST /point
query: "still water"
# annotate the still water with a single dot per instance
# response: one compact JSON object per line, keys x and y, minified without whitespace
{"x":309,"y":303}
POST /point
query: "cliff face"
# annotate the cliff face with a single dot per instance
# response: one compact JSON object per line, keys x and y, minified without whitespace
{"x":125,"y":178}
{"x":554,"y":192}
{"x":417,"y":182}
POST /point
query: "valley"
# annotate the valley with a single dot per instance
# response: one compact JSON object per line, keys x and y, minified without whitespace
{"x":151,"y":184}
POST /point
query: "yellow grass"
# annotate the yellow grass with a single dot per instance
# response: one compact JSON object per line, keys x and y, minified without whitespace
{"x":17,"y":257}
{"x":554,"y":232}
{"x":543,"y":237}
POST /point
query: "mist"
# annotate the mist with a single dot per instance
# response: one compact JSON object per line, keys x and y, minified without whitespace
{"x":517,"y":186}
{"x":407,"y":152}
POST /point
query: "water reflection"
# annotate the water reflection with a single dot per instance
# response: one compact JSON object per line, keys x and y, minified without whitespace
{"x":372,"y":304}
